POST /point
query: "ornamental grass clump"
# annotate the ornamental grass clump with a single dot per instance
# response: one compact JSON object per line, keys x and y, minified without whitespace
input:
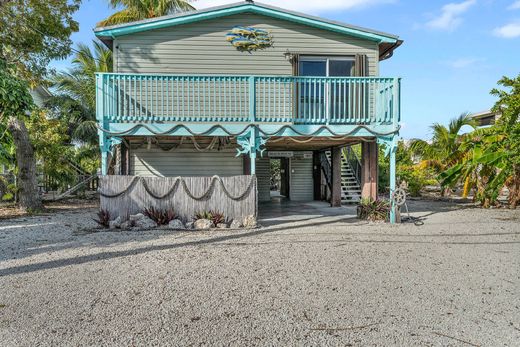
{"x":103,"y":219}
{"x":373,"y":210}
{"x":160,"y":217}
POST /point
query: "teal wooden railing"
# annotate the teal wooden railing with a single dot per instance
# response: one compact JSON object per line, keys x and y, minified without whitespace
{"x":128,"y":98}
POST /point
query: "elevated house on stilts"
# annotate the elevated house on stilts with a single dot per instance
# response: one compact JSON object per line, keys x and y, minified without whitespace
{"x":201,"y":103}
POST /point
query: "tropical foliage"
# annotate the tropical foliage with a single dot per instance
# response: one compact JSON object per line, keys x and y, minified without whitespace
{"x":444,"y":148}
{"x":34,"y":32}
{"x":76,"y":104}
{"x":415,"y":177}
{"x":490,"y":159}
{"x":134,"y":10}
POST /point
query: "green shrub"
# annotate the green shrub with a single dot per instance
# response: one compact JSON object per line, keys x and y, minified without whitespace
{"x":415,"y":177}
{"x":7,"y":196}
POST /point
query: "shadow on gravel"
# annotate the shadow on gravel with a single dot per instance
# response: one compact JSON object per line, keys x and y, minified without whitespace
{"x":222,"y":240}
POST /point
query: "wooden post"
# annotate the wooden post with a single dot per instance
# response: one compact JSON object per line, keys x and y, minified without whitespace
{"x":335,"y":200}
{"x":369,"y":172}
{"x":247,"y":165}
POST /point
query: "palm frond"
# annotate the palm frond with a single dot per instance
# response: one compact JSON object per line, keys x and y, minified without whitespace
{"x":124,"y":16}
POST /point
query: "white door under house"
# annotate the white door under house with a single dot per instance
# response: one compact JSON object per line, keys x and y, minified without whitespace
{"x":286,"y":175}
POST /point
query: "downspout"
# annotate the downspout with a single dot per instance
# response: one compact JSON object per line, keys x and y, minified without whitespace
{"x":388,"y":53}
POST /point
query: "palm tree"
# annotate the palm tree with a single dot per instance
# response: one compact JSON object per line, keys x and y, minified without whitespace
{"x":444,"y":149}
{"x":135,"y":10}
{"x":492,"y":161}
{"x":77,"y":103}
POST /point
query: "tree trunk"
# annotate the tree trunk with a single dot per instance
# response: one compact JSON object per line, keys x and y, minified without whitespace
{"x":28,"y":196}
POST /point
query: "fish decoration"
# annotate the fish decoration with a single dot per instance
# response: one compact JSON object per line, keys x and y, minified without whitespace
{"x":248,"y":39}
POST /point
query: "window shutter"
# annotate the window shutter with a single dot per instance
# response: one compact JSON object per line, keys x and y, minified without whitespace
{"x":361,"y":100}
{"x":295,"y":64}
{"x":361,"y":65}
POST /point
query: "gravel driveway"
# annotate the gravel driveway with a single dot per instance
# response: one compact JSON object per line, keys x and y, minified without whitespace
{"x":455,"y":281}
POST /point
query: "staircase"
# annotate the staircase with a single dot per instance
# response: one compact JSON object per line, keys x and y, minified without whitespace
{"x":350,"y":175}
{"x":82,"y":180}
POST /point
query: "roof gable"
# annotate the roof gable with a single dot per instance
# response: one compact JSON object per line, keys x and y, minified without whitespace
{"x":244,"y":7}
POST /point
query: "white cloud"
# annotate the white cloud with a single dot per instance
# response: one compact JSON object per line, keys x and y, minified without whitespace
{"x":462,"y":63}
{"x":451,"y":15}
{"x":508,"y":31}
{"x":310,"y":6}
{"x":515,"y":5}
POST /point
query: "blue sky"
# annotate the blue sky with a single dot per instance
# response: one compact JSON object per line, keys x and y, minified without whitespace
{"x":453,"y":54}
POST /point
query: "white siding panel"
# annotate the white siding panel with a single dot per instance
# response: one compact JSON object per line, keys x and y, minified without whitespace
{"x":184,"y":162}
{"x":301,"y":180}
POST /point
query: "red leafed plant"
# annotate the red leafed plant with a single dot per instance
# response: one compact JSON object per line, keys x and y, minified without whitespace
{"x":217,"y":217}
{"x":103,"y":218}
{"x":161,"y":217}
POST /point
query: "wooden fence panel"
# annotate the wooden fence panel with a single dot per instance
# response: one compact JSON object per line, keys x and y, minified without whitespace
{"x":235,"y":196}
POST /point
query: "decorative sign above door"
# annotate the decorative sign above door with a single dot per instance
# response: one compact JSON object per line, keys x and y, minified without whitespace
{"x":248,"y":39}
{"x":280,"y":154}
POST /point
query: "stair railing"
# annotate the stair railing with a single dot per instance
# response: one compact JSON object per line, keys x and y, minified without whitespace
{"x":326,"y":168}
{"x":353,"y":160}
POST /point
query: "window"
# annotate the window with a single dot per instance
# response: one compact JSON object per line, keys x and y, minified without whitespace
{"x":326,"y":66}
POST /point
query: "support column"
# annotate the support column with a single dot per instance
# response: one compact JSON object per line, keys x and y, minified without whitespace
{"x":392,"y":183}
{"x":103,"y":144}
{"x":335,"y":200}
{"x":249,"y":144}
{"x":369,"y":170}
{"x":247,"y":164}
{"x":252,"y":152}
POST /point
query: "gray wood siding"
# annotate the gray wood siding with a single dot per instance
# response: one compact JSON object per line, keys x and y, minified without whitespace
{"x":301,"y":180}
{"x":201,"y":48}
{"x":184,"y":162}
{"x":263,"y":174}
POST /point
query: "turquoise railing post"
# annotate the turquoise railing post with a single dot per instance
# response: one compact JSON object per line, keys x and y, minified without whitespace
{"x":102,"y":120}
{"x":396,"y":102}
{"x":252,"y":99}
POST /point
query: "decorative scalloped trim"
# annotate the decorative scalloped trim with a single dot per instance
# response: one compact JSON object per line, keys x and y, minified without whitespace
{"x":218,"y":126}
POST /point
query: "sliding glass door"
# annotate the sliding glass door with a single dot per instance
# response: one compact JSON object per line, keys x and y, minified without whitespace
{"x":320,"y":100}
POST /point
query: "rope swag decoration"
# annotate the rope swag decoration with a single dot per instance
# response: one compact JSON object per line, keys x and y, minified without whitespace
{"x":246,"y":128}
{"x":179,"y":180}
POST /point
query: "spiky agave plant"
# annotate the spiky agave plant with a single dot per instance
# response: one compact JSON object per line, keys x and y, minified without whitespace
{"x":160,"y":217}
{"x":103,"y":219}
{"x":217,"y":217}
{"x":373,"y":210}
{"x":203,"y":215}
